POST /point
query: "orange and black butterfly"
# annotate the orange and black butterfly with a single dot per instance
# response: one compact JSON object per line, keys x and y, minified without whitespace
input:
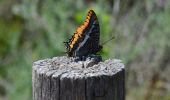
{"x":85,"y":40}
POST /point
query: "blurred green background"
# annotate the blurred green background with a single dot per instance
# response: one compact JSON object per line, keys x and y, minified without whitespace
{"x":35,"y":29}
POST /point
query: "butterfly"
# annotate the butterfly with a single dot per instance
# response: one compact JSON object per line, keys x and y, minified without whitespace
{"x":85,"y":40}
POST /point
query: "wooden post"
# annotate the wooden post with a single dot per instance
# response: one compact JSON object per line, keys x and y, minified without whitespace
{"x":63,"y":78}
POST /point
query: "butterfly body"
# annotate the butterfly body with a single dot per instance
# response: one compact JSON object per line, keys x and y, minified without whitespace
{"x":85,"y":40}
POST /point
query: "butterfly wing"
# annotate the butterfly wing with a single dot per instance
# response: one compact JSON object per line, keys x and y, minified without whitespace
{"x":86,"y":39}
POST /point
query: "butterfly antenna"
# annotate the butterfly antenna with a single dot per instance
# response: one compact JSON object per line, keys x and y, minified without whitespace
{"x":108,"y":40}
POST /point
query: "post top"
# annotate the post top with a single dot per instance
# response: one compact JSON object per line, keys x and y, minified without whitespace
{"x":69,"y":67}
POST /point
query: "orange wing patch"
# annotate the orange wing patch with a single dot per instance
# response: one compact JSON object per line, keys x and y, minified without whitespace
{"x":79,"y":32}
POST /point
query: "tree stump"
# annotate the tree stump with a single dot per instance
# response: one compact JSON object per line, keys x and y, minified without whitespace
{"x":63,"y":78}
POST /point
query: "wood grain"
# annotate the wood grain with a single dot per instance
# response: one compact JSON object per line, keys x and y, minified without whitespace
{"x":63,"y":78}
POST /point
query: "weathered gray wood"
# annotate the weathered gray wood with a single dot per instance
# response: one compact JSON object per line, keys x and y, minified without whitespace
{"x":63,"y":78}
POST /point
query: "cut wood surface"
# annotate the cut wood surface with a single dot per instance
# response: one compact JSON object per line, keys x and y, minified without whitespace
{"x":64,"y":78}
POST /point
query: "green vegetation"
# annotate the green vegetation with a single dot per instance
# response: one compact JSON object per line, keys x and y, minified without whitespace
{"x":36,"y":29}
